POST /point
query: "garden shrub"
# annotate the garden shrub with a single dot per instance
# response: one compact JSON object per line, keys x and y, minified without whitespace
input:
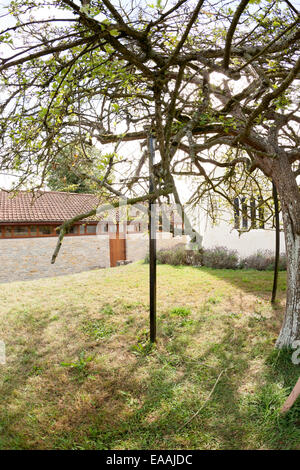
{"x":263,"y":260}
{"x":220,"y":257}
{"x":178,"y":256}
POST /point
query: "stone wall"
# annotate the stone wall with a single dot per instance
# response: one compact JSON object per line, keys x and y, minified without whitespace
{"x":29,"y":258}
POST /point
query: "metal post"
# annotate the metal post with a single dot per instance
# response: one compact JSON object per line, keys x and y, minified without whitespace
{"x":152,"y":244}
{"x":277,"y":243}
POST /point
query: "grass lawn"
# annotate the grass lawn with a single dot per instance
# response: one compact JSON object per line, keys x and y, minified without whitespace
{"x":80,"y":373}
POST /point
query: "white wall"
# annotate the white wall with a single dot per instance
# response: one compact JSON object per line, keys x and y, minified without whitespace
{"x":246,"y":244}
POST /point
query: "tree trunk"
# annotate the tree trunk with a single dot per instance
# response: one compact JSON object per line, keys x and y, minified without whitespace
{"x":290,"y":204}
{"x":290,"y":330}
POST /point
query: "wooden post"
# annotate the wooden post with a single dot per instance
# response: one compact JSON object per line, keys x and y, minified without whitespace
{"x":277,"y":244}
{"x":292,"y":398}
{"x":152,"y":244}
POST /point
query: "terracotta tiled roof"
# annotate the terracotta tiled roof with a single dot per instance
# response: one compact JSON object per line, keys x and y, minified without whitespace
{"x":48,"y":206}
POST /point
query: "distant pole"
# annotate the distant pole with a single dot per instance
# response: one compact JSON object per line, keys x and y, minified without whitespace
{"x":277,"y":243}
{"x":152,"y":243}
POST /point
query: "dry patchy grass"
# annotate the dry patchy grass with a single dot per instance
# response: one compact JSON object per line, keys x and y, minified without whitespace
{"x":81,"y":374}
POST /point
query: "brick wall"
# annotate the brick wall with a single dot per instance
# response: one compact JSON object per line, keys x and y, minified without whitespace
{"x":29,"y":258}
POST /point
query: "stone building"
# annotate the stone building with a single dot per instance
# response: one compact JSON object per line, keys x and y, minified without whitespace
{"x":28,"y":236}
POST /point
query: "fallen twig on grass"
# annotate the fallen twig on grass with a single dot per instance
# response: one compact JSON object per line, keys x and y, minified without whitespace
{"x":208,"y":398}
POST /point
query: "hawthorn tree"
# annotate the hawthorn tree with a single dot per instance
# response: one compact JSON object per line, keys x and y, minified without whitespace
{"x":216,"y":82}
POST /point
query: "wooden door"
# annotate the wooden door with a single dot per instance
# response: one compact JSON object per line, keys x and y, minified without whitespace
{"x":117,"y":248}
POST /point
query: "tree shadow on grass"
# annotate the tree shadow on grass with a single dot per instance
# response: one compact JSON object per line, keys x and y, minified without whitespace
{"x":249,"y":280}
{"x":145,"y":400}
{"x":147,"y":404}
{"x":229,"y":420}
{"x":137,"y":406}
{"x":14,"y":379}
{"x":165,"y":398}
